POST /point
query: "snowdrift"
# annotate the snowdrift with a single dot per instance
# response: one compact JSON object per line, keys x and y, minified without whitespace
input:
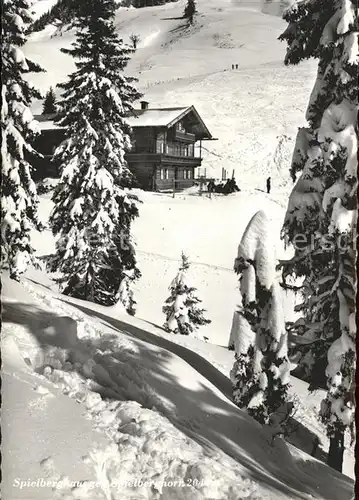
{"x":138,"y":412}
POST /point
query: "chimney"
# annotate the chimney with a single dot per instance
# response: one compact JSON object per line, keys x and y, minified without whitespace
{"x":144,"y":105}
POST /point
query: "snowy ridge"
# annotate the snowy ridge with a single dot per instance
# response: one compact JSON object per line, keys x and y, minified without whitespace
{"x":106,"y":363}
{"x":132,"y":425}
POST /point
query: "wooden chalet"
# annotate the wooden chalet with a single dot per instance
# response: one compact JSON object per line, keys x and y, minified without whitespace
{"x":166,"y":146}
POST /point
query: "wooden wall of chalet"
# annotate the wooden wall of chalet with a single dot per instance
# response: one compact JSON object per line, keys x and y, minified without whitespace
{"x":164,"y":184}
{"x":144,"y":173}
{"x":174,"y":179}
{"x":149,"y":176}
{"x":144,"y":139}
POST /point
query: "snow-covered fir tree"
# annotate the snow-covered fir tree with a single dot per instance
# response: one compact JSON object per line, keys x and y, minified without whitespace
{"x":49,"y":106}
{"x":260,"y":374}
{"x":190,"y":10}
{"x":18,"y":128}
{"x":126,"y":295}
{"x":181,"y":308}
{"x":93,"y":206}
{"x":321,"y":216}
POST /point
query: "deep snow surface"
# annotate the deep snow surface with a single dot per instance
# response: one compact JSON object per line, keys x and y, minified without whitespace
{"x":209,"y":231}
{"x":166,"y":411}
{"x":158,"y":419}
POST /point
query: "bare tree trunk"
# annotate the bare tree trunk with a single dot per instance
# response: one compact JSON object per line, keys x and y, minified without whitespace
{"x":336,"y":451}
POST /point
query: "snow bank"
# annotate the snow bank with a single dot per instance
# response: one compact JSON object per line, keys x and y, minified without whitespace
{"x":148,"y":456}
{"x":103,"y":373}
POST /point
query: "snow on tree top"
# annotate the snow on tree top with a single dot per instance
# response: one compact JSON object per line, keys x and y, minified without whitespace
{"x":342,"y":219}
{"x":258,"y":246}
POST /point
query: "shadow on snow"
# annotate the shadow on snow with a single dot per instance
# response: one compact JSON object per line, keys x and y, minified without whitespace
{"x":202,"y":414}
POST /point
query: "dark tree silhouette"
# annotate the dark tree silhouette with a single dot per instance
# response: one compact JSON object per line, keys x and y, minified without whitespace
{"x":190,"y":10}
{"x":49,"y":106}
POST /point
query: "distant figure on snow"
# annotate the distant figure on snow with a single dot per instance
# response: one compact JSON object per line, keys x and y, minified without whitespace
{"x":234,"y":186}
{"x":211,"y":186}
{"x":219,"y":188}
{"x":227,"y":187}
{"x":268,"y":185}
{"x":230,"y":186}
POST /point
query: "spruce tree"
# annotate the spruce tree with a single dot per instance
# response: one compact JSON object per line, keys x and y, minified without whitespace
{"x":190,"y":10}
{"x":181,"y":309}
{"x":93,"y":207}
{"x":126,"y":295}
{"x":260,"y":375}
{"x":49,"y":106}
{"x":18,"y":192}
{"x":320,"y":221}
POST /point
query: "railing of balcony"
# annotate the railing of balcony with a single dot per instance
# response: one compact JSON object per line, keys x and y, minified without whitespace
{"x":180,"y":135}
{"x":170,"y":148}
{"x":178,"y":149}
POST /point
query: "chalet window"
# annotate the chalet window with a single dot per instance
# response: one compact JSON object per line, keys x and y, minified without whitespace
{"x":180,"y":127}
{"x":160,"y":142}
{"x":187,"y":173}
{"x":164,"y":174}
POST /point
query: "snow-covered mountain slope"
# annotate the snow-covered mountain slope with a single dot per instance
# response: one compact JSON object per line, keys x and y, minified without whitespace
{"x":158,"y":419}
{"x":165,"y":227}
{"x":253,"y":111}
{"x":40,"y":7}
{"x":208,"y":230}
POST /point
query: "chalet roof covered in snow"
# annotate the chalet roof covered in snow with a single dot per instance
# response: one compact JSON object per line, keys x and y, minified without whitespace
{"x":167,"y":117}
{"x":155,"y":117}
{"x":150,"y":117}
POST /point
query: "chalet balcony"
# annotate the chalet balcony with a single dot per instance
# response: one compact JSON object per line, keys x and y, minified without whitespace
{"x":163,"y":159}
{"x":177,"y":149}
{"x":182,"y":136}
{"x":174,"y":149}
